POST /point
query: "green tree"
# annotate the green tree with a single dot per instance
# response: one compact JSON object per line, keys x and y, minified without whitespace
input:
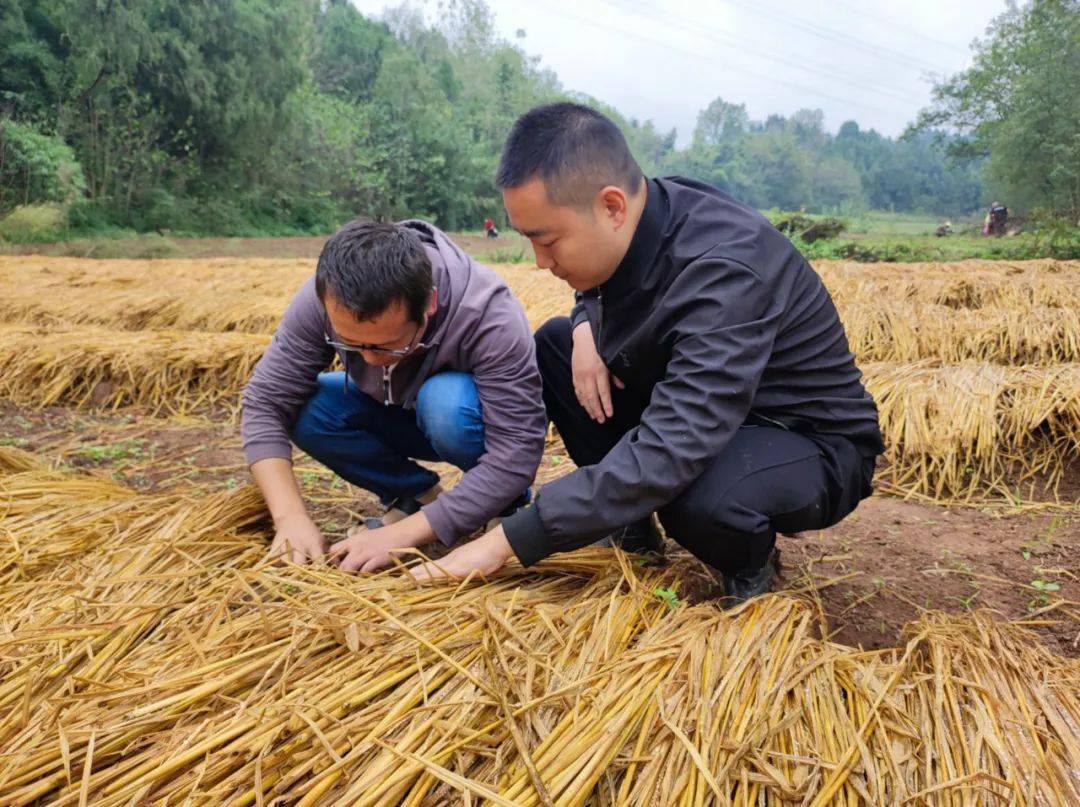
{"x":836,"y":182}
{"x":778,"y":171}
{"x":249,"y":116}
{"x":721,"y":123}
{"x":1018,"y":105}
{"x":36,"y":167}
{"x":348,"y":51}
{"x":31,"y":61}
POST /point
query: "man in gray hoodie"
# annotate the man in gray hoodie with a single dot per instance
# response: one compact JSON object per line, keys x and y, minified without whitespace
{"x":439,"y":364}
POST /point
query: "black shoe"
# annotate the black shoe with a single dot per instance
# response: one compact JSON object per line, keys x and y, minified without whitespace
{"x":641,"y":537}
{"x":742,"y":586}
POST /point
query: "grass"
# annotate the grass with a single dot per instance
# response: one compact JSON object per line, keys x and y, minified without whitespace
{"x":886,"y":223}
{"x":111,"y":452}
{"x":913,"y":248}
{"x":871,"y":236}
{"x":883,"y":236}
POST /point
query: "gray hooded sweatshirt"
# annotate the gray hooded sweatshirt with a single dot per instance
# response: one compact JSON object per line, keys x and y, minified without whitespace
{"x":479,"y":328}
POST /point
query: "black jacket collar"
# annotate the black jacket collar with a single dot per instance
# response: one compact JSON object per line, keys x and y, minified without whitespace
{"x":643,"y":246}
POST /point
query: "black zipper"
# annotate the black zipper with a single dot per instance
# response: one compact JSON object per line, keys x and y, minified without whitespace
{"x":600,"y":324}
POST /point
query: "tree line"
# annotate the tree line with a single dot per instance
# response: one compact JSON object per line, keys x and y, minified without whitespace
{"x":279,"y":116}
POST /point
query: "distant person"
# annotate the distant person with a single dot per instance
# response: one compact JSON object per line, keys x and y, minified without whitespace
{"x":997,"y":220}
{"x":439,"y":364}
{"x":944,"y":229}
{"x":703,"y":375}
{"x":489,"y":228}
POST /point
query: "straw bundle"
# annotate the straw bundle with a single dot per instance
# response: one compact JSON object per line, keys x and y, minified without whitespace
{"x":250,"y":295}
{"x":163,"y":667}
{"x":940,"y":422}
{"x":975,"y":267}
{"x":171,"y":372}
{"x":207,"y":295}
{"x":969,"y":284}
{"x":197,"y":309}
{"x":952,"y":431}
{"x":221,"y":296}
{"x":13,"y":460}
{"x":905,"y":331}
{"x":59,"y":516}
{"x":958,"y":431}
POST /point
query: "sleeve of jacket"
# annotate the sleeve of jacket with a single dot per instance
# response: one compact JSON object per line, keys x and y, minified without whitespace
{"x":502,"y":356}
{"x":723,"y":323}
{"x":285,"y":377}
{"x":578,"y":314}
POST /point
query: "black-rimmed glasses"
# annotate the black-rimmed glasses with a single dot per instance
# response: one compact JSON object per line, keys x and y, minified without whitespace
{"x":397,"y":353}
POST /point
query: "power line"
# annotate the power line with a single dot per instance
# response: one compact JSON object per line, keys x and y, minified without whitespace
{"x":824,"y":32}
{"x":893,"y":23}
{"x":710,"y":59}
{"x":809,"y":67}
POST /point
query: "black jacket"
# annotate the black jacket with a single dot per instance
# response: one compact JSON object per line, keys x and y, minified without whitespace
{"x":715,"y":319}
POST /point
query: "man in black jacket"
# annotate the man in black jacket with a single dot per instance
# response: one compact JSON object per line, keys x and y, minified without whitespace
{"x":703,"y":375}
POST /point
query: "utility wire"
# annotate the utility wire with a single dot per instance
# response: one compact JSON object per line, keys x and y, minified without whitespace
{"x":893,"y":24}
{"x":719,"y":36}
{"x":880,"y":51}
{"x":713,"y":60}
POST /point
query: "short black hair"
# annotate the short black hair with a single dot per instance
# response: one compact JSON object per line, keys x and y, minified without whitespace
{"x":573,"y":148}
{"x":367,"y":266}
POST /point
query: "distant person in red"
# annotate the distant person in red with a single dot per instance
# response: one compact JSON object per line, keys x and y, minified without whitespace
{"x":489,"y":228}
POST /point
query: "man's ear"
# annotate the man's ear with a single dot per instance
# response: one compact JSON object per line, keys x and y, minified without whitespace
{"x":433,"y":303}
{"x":613,"y":205}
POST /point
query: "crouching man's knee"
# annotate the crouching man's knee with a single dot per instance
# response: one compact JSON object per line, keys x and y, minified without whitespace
{"x":449,"y":414}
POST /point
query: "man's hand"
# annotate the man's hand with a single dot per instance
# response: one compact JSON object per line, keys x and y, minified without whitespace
{"x":297,"y":539}
{"x":592,"y":381}
{"x":484,"y":556}
{"x":367,"y":550}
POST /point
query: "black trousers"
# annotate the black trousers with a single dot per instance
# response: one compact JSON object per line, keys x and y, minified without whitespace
{"x":766,"y":479}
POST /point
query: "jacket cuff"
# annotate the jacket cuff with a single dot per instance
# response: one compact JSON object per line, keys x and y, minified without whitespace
{"x":439,"y":520}
{"x":253,"y":452}
{"x":527,"y":536}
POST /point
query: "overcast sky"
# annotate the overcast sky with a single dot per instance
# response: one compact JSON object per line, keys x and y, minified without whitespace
{"x":868,"y":60}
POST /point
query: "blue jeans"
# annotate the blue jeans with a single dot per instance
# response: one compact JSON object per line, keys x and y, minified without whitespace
{"x":373,"y":445}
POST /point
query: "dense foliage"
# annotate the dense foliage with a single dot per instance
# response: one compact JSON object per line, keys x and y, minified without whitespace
{"x":1018,"y":107}
{"x":278,"y":116}
{"x":794,"y":163}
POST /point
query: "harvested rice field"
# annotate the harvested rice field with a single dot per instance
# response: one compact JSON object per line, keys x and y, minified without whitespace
{"x":924,"y":651}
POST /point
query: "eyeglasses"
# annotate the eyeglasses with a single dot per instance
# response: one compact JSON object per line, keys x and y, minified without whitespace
{"x":397,"y":353}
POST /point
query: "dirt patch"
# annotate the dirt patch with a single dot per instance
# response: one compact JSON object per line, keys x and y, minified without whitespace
{"x":147,"y":453}
{"x":892,"y":559}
